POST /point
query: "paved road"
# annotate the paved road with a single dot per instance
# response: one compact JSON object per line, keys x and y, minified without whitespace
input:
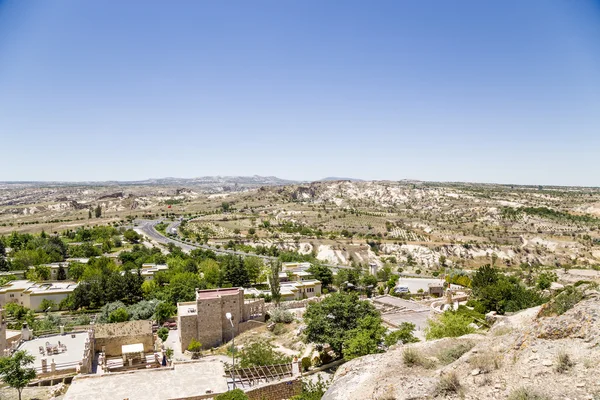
{"x":146,"y":227}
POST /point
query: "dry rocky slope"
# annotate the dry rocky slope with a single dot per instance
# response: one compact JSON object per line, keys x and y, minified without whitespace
{"x":521,"y":354}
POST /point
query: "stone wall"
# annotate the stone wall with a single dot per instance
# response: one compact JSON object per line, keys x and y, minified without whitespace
{"x":249,"y":325}
{"x":293,"y":304}
{"x":276,"y":391}
{"x":113,"y":336}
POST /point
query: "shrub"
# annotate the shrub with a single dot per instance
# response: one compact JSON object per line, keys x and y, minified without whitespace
{"x":451,"y":354}
{"x":404,"y":334}
{"x":563,"y":302}
{"x":261,"y":352}
{"x":448,"y":384}
{"x":313,"y":390}
{"x":119,"y":315}
{"x":486,"y":362}
{"x":279,"y":315}
{"x":163,"y":334}
{"x":526,"y":394}
{"x":306,"y":363}
{"x":449,"y":324}
{"x":236,"y":394}
{"x":195,"y":346}
{"x":279,"y":329}
{"x":563,"y":362}
{"x":411,"y":357}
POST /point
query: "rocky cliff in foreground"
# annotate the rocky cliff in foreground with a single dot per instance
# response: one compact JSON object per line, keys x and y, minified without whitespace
{"x":524,"y":356}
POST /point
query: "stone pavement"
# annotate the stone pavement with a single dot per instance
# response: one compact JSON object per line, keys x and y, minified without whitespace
{"x":184,"y":380}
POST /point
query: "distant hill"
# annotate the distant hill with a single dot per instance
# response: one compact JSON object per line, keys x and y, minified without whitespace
{"x":244,"y":181}
{"x":335,"y":178}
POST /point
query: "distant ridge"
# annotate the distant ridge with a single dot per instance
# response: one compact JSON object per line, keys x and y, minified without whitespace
{"x":169,"y":181}
{"x":335,"y":178}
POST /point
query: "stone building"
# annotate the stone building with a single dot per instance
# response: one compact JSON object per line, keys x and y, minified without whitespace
{"x":205,"y":320}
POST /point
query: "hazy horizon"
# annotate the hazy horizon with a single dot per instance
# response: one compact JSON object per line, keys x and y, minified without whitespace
{"x":505,"y":92}
{"x":324,"y":179}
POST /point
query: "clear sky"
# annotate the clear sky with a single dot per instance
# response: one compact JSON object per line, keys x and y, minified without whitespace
{"x":485,"y":91}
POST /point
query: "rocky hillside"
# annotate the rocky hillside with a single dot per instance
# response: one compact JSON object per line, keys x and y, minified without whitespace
{"x":524,"y":356}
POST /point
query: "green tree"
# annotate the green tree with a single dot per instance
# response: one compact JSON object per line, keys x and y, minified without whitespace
{"x":194,"y":346}
{"x":449,"y":324}
{"x":274,"y":281}
{"x":182,"y":287}
{"x":253,"y":266}
{"x":76,"y":270}
{"x":330,"y":320}
{"x":404,"y":334}
{"x":365,"y":338}
{"x":119,"y":315}
{"x":235,"y":271}
{"x":47,"y":305}
{"x":164,"y":311}
{"x":5,"y":264}
{"x":98,"y":211}
{"x":211,"y":272}
{"x":15,"y":371}
{"x":261,"y":352}
{"x":61,"y":274}
{"x":322,"y":273}
{"x":163,"y":334}
{"x":131,"y":236}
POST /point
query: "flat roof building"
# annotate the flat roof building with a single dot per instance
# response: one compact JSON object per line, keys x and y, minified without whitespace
{"x":31,"y":294}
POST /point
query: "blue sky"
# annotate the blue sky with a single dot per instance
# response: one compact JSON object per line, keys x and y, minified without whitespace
{"x":505,"y":91}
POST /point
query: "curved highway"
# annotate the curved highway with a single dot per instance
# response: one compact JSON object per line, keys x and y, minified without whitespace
{"x":146,"y":228}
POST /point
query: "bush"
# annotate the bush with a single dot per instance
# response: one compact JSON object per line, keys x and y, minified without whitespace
{"x":236,"y":394}
{"x":306,"y":363}
{"x":448,"y":384}
{"x":163,"y":334}
{"x":119,"y":315}
{"x":279,"y":315}
{"x":449,"y":324}
{"x":563,"y":362}
{"x":404,"y":334}
{"x":485,"y":362}
{"x":526,"y":394}
{"x":562,"y":303}
{"x":195,"y":346}
{"x":449,"y":355}
{"x":312,"y":390}
{"x":411,"y":357}
{"x":259,"y":353}
{"x":279,"y":329}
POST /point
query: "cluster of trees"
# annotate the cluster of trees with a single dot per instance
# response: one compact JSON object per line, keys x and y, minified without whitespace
{"x":350,"y":326}
{"x":28,"y":250}
{"x":118,"y":311}
{"x":495,"y":291}
{"x":102,"y":281}
{"x":33,"y":250}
